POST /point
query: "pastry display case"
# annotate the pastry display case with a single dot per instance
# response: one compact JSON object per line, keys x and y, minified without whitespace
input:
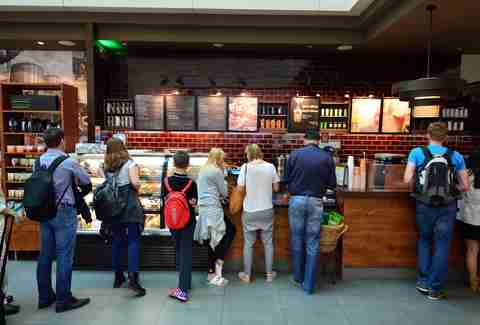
{"x":152,"y":167}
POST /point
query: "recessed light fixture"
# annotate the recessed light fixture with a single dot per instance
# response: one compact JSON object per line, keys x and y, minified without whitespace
{"x":67,"y":43}
{"x":218,"y":93}
{"x":318,"y":95}
{"x":345,"y":47}
{"x":243,"y":93}
{"x":41,"y":43}
{"x":427,"y":97}
{"x":218,"y":45}
{"x":347,"y":95}
{"x":176,"y":92}
{"x":371,"y":96}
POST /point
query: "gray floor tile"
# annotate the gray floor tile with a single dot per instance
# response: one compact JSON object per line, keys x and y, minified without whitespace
{"x":351,"y":302}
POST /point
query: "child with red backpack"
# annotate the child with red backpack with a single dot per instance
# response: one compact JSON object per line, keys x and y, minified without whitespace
{"x":179,"y":195}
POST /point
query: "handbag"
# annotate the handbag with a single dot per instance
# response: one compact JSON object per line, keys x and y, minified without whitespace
{"x":238,"y":196}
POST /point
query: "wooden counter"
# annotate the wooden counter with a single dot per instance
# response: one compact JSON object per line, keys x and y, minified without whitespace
{"x":383,"y":230}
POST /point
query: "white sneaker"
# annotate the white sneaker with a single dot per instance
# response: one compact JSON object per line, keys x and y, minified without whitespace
{"x":218,"y":281}
{"x":270,"y":276}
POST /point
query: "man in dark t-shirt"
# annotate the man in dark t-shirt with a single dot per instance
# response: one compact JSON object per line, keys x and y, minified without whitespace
{"x":183,"y":237}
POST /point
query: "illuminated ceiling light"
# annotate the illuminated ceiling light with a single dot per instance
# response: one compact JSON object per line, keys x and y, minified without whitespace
{"x":429,"y":88}
{"x":427,"y":97}
{"x":218,"y":93}
{"x":371,"y":96}
{"x":67,"y":43}
{"x":298,"y":94}
{"x":243,"y":93}
{"x":318,"y":95}
{"x":176,"y":92}
{"x":347,"y":95}
{"x":345,"y":47}
{"x":218,"y":45}
{"x":41,"y":43}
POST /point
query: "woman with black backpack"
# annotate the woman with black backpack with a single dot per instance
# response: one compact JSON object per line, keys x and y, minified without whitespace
{"x":126,"y":227}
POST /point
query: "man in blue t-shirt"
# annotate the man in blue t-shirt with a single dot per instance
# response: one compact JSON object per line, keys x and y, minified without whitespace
{"x":435,"y":224}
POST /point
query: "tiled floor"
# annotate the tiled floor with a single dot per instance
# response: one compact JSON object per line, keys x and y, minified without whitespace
{"x":368,"y":302}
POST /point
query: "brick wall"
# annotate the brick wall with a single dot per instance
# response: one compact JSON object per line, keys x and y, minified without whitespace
{"x":275,"y":144}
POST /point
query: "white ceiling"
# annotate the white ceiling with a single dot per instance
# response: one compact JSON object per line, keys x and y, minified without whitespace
{"x":308,"y":7}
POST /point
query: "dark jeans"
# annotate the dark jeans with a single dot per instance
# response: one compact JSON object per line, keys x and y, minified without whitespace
{"x":223,"y":246}
{"x":435,"y":226}
{"x":129,"y":235}
{"x":57,"y":240}
{"x":183,"y":243}
{"x":305,"y":215}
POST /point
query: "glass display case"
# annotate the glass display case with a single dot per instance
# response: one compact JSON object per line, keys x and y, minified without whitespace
{"x":152,"y":166}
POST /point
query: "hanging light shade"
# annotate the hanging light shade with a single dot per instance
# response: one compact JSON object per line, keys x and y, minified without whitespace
{"x":429,"y":89}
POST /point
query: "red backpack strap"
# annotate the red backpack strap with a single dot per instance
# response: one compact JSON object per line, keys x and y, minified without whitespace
{"x":187,"y":187}
{"x":167,"y":185}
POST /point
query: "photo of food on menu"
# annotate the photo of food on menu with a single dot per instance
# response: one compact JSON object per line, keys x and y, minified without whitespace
{"x":396,"y":116}
{"x":242,"y":113}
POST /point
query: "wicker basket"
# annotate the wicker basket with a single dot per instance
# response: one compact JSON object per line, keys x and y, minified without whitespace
{"x":330,"y":236}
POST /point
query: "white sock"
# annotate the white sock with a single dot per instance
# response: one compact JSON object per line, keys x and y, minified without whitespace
{"x":218,"y":268}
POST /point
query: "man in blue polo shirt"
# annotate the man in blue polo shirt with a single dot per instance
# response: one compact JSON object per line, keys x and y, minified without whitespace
{"x":310,"y":170}
{"x":435,"y":223}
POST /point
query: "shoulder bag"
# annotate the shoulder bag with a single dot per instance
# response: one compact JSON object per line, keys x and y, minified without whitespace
{"x":238,"y":196}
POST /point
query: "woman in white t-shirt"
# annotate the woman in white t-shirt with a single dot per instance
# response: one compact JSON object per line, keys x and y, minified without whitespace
{"x":469,"y":221}
{"x":260,"y":180}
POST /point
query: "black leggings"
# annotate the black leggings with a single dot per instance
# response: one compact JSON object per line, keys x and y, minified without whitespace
{"x":223,"y":246}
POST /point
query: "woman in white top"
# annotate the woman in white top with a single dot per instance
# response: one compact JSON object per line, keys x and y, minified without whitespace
{"x":260,"y":179}
{"x":469,"y":220}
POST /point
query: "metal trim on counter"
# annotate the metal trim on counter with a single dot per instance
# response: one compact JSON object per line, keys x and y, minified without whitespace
{"x":373,"y":193}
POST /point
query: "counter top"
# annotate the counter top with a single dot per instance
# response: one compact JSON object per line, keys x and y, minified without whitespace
{"x":372,"y":193}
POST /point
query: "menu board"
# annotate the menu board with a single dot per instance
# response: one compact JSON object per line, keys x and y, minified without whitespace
{"x":395,"y":116}
{"x":180,"y":113}
{"x":212,"y":113}
{"x":242,"y":113}
{"x":304,"y":114}
{"x":366,"y":115}
{"x":149,"y":112}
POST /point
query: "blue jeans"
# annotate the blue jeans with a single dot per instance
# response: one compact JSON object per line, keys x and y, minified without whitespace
{"x":126,"y":234}
{"x":305,"y":215}
{"x":435,"y":226}
{"x":57,"y":240}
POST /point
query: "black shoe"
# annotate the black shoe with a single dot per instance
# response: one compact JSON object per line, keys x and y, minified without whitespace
{"x":73,"y":304}
{"x":47,"y":304}
{"x":11,"y":309}
{"x":422,"y":289}
{"x":135,"y":285}
{"x":119,"y":280}
{"x":435,"y":296}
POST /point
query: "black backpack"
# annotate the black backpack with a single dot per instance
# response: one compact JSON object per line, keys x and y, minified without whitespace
{"x":436,"y":179}
{"x":107,"y":202}
{"x":39,"y":199}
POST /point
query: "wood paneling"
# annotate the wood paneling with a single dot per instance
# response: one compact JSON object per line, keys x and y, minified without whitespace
{"x":383,"y":232}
